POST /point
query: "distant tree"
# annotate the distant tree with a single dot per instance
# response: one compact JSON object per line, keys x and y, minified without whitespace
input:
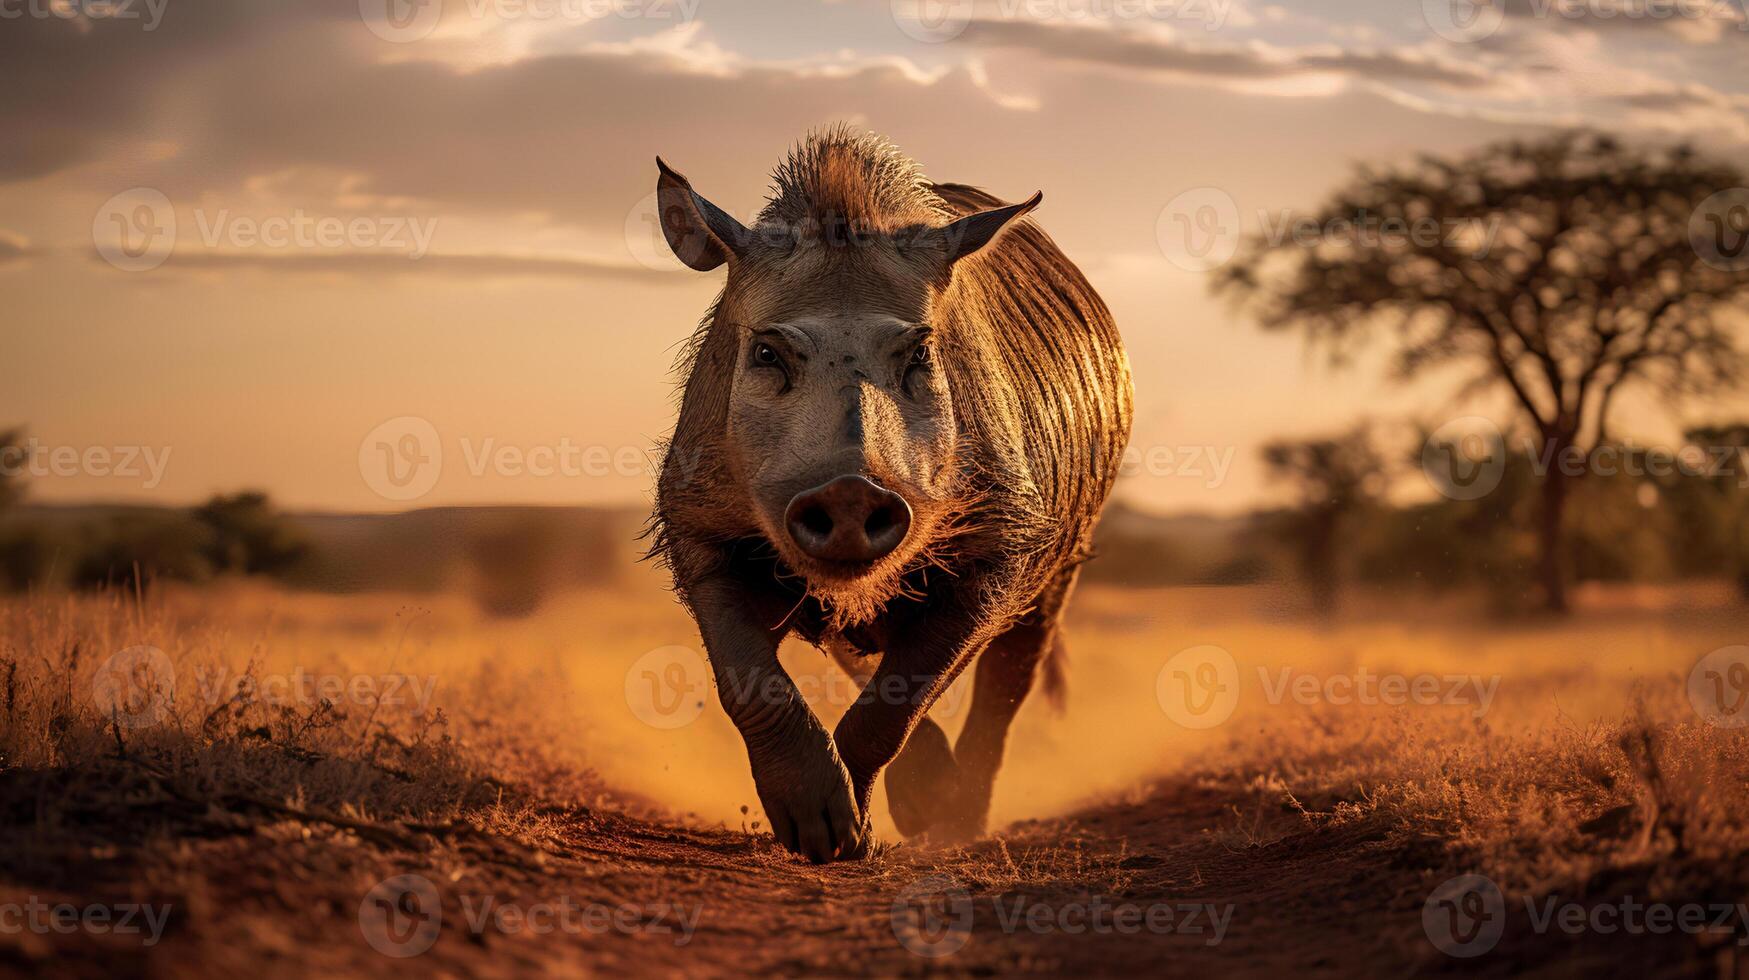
{"x":248,"y":535}
{"x":1725,"y":472}
{"x":514,"y":566}
{"x":11,"y":467}
{"x":1334,"y":478}
{"x":136,"y":548}
{"x":1562,"y":270}
{"x":25,"y":551}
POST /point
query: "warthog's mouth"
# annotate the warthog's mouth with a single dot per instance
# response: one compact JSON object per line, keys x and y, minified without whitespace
{"x":840,"y":573}
{"x":852,"y":592}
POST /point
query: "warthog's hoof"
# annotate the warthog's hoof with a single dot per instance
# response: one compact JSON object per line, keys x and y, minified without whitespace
{"x":923,"y":781}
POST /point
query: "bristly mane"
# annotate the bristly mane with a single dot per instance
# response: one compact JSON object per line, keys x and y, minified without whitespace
{"x":1041,"y":388}
{"x":839,"y":175}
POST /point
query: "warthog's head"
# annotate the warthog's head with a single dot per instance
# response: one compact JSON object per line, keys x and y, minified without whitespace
{"x":840,"y":418}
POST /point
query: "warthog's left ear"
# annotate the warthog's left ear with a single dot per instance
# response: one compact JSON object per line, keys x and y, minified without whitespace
{"x":974,"y":231}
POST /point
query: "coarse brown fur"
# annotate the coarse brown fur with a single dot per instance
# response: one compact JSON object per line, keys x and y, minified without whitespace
{"x":1002,"y":430}
{"x":1040,"y":384}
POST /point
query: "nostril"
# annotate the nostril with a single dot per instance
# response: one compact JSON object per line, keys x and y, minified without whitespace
{"x":816,"y":519}
{"x":880,"y":519}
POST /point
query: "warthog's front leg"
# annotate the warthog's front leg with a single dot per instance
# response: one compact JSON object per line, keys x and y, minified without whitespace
{"x":912,"y":675}
{"x":803,"y":786}
{"x":923,"y":778}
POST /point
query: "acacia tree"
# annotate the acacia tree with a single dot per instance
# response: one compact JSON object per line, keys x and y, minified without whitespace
{"x":1562,"y":270}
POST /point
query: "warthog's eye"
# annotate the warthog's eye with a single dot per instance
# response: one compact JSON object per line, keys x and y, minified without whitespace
{"x":766,"y":356}
{"x":920,"y":360}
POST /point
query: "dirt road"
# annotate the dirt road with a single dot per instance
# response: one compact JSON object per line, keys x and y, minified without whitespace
{"x":1197,"y":876}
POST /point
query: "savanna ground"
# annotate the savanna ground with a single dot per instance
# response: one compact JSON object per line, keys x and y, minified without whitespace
{"x":575,"y":801}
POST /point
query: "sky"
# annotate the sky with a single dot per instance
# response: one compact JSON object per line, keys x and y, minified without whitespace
{"x":379,"y":254}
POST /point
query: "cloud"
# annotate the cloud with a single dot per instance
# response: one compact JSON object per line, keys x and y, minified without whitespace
{"x":14,"y":248}
{"x":1688,"y":21}
{"x":443,"y":265}
{"x":564,"y":139}
{"x":1165,"y":52}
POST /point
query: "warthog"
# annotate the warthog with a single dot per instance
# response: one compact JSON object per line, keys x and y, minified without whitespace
{"x":901,"y":418}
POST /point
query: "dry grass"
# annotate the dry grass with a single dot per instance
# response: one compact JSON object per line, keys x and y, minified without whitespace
{"x":519,"y":767}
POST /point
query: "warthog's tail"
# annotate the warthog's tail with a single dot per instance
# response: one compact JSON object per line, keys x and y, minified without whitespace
{"x":1054,"y":673}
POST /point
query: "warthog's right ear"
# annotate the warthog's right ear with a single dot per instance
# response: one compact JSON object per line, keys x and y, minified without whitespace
{"x":701,"y":234}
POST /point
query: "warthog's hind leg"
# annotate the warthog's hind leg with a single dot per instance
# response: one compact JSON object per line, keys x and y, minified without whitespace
{"x":923,"y":781}
{"x":1004,"y":676}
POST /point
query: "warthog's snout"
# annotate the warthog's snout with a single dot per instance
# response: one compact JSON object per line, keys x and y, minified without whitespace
{"x":848,"y":519}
